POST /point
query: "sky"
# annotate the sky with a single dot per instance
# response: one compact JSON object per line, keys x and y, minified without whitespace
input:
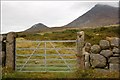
{"x":21,"y":15}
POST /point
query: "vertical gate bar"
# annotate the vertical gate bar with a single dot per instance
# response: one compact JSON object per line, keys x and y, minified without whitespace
{"x":45,"y":57}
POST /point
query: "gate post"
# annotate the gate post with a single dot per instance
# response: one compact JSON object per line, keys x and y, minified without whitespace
{"x":10,"y":50}
{"x":80,"y":45}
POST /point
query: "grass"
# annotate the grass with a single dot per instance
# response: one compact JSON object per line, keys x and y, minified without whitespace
{"x":96,"y":74}
{"x":40,"y":75}
{"x":78,"y":74}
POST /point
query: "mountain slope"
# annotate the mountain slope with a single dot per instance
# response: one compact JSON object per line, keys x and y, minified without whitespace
{"x":99,"y":15}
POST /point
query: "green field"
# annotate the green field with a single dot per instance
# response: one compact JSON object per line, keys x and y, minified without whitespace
{"x":91,"y":35}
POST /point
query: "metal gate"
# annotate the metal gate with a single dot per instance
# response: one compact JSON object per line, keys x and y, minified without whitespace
{"x":45,"y":56}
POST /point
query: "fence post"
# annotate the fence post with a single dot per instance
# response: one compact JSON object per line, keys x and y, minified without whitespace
{"x":10,"y":50}
{"x":80,"y":45}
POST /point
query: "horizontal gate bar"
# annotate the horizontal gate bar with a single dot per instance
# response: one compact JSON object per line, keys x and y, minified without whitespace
{"x":45,"y":71}
{"x":46,"y":64}
{"x":41,"y":59}
{"x":47,"y":68}
{"x":55,"y":67}
{"x":43,"y":48}
{"x":44,"y":54}
{"x":48,"y":41}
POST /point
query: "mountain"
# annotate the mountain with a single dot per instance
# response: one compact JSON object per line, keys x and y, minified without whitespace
{"x":99,"y":15}
{"x":37,"y":28}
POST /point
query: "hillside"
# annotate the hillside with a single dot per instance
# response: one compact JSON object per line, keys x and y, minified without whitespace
{"x":99,"y":15}
{"x":37,"y":28}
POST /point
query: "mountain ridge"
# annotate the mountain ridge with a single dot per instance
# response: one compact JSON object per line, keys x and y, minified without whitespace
{"x":99,"y":15}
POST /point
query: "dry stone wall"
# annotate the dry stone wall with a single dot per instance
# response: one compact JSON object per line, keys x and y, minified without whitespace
{"x":106,"y":55}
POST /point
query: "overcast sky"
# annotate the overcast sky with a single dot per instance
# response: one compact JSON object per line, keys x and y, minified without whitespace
{"x":21,"y":15}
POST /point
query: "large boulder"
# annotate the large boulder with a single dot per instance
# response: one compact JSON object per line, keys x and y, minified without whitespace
{"x":97,"y":60}
{"x":104,"y":44}
{"x":106,"y":53}
{"x":95,"y":49}
{"x":114,"y":60}
{"x":116,"y":50}
{"x":114,"y":67}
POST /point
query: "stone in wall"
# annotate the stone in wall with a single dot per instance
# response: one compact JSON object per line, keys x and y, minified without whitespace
{"x":87,"y":57}
{"x":115,"y":60}
{"x":87,"y":65}
{"x":95,"y":49}
{"x":114,"y":41}
{"x":104,"y":44}
{"x":106,"y":53}
{"x":114,"y":67}
{"x":87,"y":47}
{"x":116,"y":55}
{"x":116,"y":50}
{"x":97,"y":60}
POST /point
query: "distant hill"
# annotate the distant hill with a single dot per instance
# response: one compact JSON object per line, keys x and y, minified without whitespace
{"x":37,"y":28}
{"x":99,"y":15}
